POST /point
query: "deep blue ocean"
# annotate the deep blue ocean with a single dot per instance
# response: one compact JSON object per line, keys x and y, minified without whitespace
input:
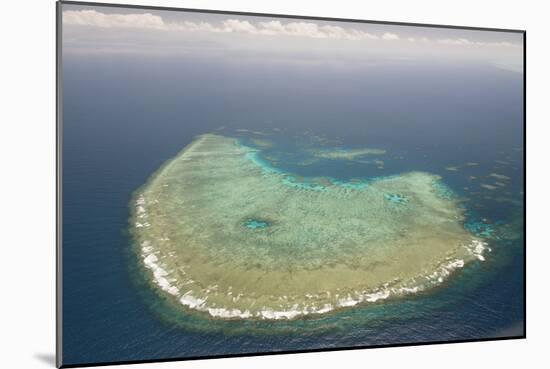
{"x":124,"y":116}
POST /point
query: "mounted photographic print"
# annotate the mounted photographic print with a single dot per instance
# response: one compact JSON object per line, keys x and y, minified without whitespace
{"x":235,"y":184}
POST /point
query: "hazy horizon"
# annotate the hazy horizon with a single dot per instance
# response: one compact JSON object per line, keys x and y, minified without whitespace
{"x":257,"y":39}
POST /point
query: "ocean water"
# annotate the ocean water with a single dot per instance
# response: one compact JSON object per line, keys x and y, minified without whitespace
{"x":123,"y":117}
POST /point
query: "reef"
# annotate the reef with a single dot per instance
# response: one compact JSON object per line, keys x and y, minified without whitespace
{"x":349,"y":154}
{"x":222,"y":232}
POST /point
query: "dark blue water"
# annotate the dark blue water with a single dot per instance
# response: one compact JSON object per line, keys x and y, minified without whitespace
{"x":124,"y":116}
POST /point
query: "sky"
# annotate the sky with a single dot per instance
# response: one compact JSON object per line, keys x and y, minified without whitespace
{"x":113,"y":30}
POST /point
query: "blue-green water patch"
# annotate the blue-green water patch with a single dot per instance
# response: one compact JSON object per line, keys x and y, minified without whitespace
{"x":310,"y":186}
{"x":266,"y":167}
{"x":396,"y":198}
{"x":480,"y":228}
{"x":256,"y":224}
{"x":357,"y":185}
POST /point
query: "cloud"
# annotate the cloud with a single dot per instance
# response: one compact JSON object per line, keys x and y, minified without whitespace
{"x":269,"y":28}
{"x":193,"y":27}
{"x":97,"y":19}
{"x":467,"y":42}
{"x":309,"y":29}
{"x":234,"y":25}
{"x":390,"y":36}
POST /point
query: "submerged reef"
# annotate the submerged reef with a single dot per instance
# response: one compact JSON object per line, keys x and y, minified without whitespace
{"x":220,"y":231}
{"x":350,"y":154}
{"x":264,"y":144}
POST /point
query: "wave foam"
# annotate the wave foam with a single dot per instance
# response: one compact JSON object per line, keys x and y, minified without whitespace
{"x":191,"y":301}
{"x":151,"y":261}
{"x":477,"y":248}
{"x":161,"y":277}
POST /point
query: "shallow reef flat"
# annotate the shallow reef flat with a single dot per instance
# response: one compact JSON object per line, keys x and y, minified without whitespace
{"x":349,"y":154}
{"x":264,"y":144}
{"x":223,"y":232}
